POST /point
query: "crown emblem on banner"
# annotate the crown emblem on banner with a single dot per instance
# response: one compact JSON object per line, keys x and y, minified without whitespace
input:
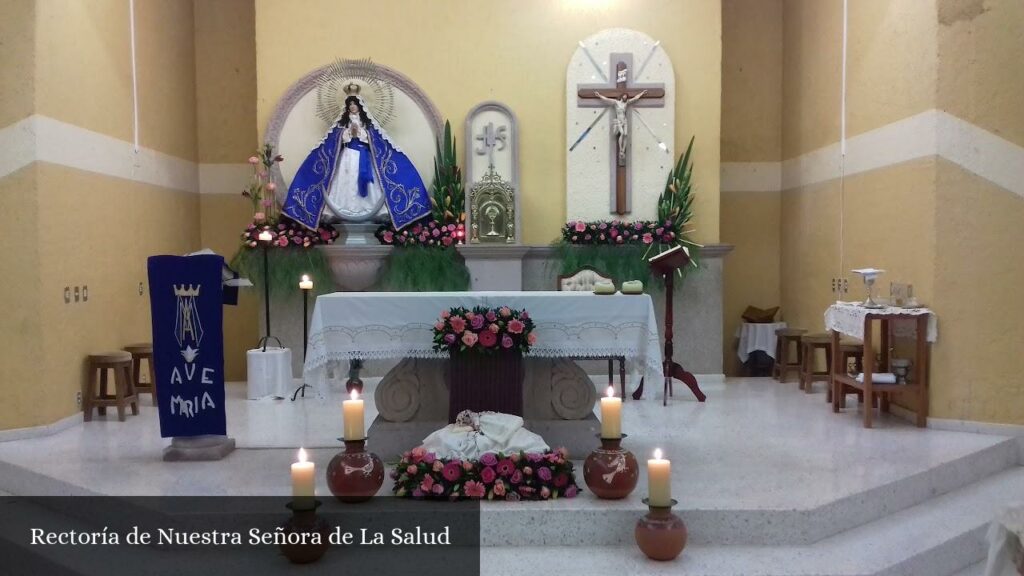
{"x":189,"y":291}
{"x":352,"y":89}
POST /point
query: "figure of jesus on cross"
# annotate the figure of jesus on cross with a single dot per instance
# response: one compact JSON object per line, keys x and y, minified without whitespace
{"x":621,"y":122}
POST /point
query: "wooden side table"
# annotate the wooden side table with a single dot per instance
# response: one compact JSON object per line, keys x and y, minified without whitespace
{"x":918,"y":389}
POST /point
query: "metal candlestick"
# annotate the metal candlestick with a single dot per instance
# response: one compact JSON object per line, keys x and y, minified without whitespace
{"x":305,"y":342}
{"x":266,"y":297}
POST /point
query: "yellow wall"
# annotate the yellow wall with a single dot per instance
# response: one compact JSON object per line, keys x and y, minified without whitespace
{"x":977,"y":363}
{"x":462,"y":52}
{"x":82,"y":228}
{"x":751,"y":132}
{"x":225,"y":37}
{"x":17,"y":75}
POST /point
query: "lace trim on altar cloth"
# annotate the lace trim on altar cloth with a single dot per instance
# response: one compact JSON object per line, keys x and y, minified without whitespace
{"x":848,"y":318}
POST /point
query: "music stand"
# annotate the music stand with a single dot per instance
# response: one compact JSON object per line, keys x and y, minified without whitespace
{"x":665,"y":265}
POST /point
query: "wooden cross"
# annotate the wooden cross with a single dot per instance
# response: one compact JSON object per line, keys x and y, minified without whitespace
{"x":646,"y":95}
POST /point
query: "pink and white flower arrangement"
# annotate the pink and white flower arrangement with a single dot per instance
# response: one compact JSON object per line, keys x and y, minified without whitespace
{"x":484,"y":330}
{"x":430,"y":233}
{"x":618,"y":232}
{"x":513,"y":477}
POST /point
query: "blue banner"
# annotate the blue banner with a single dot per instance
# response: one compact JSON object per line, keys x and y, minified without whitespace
{"x":188,"y":343}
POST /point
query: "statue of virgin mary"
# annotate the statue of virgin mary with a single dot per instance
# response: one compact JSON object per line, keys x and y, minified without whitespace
{"x":353,"y":166}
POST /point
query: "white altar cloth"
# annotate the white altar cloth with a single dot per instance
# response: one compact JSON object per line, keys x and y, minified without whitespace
{"x":369,"y":325}
{"x":755,"y":336}
{"x":848,"y":318}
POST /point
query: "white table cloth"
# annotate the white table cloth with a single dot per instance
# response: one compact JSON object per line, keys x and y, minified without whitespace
{"x":369,"y":325}
{"x":848,"y":318}
{"x":269,"y":373}
{"x":1005,"y":538}
{"x":754,"y":336}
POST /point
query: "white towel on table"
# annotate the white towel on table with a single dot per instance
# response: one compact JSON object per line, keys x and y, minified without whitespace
{"x":879,"y":378}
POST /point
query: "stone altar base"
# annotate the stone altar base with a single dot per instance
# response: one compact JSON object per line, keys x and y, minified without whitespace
{"x":199,"y":448}
{"x":389,"y":439}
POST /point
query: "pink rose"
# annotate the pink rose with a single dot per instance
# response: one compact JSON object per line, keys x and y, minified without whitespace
{"x":389,"y":236}
{"x":458,"y":324}
{"x":488,"y":475}
{"x":514,"y":457}
{"x":418,"y":453}
{"x":445,"y":314}
{"x":467,"y":466}
{"x":271,"y":186}
{"x":438,"y":466}
{"x":544,"y":473}
{"x":268,"y":203}
{"x":469,"y":339}
{"x":410,"y":470}
{"x":447,"y":241}
{"x":259,"y":216}
{"x":516,"y":326}
{"x":470,"y":315}
{"x":491,"y":316}
{"x":254,"y":160}
{"x":648,"y":238}
{"x":561,"y":480}
{"x":499,"y":489}
{"x":505,"y":312}
{"x":571,"y":492}
{"x":493,"y":328}
{"x":528,"y":471}
{"x":618,"y":240}
{"x":545,"y":492}
{"x":428,"y":484}
{"x":438,"y":489}
{"x":488,"y":338}
{"x":531,"y":338}
{"x":439,"y":326}
{"x":614,"y":232}
{"x":506,"y":341}
{"x":282,"y":241}
{"x":517,"y":477}
{"x":524,"y":315}
{"x":477,"y":322}
{"x":580,"y":227}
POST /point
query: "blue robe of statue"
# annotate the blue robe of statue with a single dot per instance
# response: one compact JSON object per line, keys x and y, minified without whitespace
{"x":405,"y":195}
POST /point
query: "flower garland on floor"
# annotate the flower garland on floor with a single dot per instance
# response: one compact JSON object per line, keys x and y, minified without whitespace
{"x":289,"y":248}
{"x":484,"y":330}
{"x":620,"y":248}
{"x":515,"y":476}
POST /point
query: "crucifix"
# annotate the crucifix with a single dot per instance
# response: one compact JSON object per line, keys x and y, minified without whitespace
{"x":621,"y":97}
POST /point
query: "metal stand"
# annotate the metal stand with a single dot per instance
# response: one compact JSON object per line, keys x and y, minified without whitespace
{"x":305,"y":343}
{"x":266,"y":299}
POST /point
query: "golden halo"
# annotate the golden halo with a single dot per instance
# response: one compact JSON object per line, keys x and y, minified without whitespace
{"x":361,"y":77}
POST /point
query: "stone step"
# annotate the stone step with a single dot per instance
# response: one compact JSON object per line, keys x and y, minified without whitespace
{"x":941,"y":537}
{"x":605,"y":522}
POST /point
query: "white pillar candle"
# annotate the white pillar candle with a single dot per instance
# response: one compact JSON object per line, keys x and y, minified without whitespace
{"x":303,"y":478}
{"x":353,"y":412}
{"x":265,"y":236}
{"x":659,"y":481}
{"x":611,"y":415}
{"x":305,"y":283}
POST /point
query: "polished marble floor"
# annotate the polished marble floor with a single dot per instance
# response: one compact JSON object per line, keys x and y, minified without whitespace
{"x":754,"y":445}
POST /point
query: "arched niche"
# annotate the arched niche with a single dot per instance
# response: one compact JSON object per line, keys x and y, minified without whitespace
{"x":295,"y":129}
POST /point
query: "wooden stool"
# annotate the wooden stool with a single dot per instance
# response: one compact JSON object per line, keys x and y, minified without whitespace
{"x":808,"y":375}
{"x":783,"y":338}
{"x":95,"y":393}
{"x":139,"y":353}
{"x":852,"y":354}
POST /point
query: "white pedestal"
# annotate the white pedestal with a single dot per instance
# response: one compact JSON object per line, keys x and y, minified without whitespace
{"x":269,"y":373}
{"x":494,"y":266}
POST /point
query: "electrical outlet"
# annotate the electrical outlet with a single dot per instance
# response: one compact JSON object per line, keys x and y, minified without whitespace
{"x":78,"y":398}
{"x":67,"y":294}
{"x":85,"y":293}
{"x":833,"y":285}
{"x":78,"y":294}
{"x":846,"y":285}
{"x":141,"y":289}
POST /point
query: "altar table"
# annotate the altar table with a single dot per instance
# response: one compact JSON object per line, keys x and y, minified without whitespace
{"x":375,"y":325}
{"x":855,"y":320}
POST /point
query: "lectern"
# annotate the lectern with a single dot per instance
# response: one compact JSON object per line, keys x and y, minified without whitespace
{"x":665,"y":265}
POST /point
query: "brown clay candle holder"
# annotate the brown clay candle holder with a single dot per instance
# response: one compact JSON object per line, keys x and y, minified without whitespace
{"x":660,"y":534}
{"x":307,"y":533}
{"x":355,"y":475}
{"x":610,"y":472}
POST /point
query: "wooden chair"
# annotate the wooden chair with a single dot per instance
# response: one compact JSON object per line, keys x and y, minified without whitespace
{"x":583,"y":280}
{"x":139,"y":353}
{"x":96,"y":393}
{"x":784,"y":337}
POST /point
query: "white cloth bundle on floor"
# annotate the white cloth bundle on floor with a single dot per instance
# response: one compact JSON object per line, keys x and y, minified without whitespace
{"x":879,"y":378}
{"x":496,"y":432}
